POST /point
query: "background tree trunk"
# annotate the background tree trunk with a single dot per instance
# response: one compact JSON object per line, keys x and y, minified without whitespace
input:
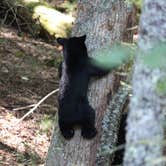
{"x":103,"y":22}
{"x":145,"y":129}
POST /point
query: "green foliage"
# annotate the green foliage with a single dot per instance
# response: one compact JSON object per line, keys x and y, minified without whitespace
{"x":161,"y":87}
{"x":46,"y":123}
{"x":19,"y":53}
{"x":2,"y":40}
{"x":138,"y":3}
{"x":68,"y":6}
{"x":32,"y":4}
{"x":53,"y":21}
{"x":115,"y":56}
{"x":156,"y":57}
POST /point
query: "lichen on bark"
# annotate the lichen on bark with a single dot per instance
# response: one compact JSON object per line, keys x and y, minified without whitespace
{"x":111,"y":122}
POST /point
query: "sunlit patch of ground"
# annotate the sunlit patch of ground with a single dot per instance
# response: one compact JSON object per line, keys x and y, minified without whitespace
{"x":53,"y":21}
{"x":56,"y":23}
{"x":31,"y":1}
{"x":23,"y":139}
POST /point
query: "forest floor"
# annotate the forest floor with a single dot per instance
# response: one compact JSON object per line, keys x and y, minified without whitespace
{"x":28,"y":72}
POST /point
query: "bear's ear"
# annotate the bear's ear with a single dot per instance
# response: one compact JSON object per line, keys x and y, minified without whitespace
{"x":83,"y":38}
{"x":61,"y":41}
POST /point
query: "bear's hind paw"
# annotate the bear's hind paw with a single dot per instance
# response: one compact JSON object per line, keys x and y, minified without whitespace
{"x":88,"y":133}
{"x":68,"y":133}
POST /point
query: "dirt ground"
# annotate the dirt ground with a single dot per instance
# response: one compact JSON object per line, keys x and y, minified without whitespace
{"x":28,"y":72}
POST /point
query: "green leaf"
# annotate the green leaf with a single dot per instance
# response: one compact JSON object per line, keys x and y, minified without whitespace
{"x":161,"y":87}
{"x":2,"y":40}
{"x":19,"y":54}
{"x":115,"y":56}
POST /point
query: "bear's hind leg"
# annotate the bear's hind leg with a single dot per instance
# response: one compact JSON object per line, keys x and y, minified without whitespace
{"x":66,"y":130}
{"x":88,"y":129}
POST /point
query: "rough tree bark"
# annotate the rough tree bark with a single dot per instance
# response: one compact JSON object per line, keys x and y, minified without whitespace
{"x":103,"y":22}
{"x":145,"y":129}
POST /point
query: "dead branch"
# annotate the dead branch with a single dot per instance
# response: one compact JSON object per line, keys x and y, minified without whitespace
{"x":23,"y":108}
{"x":37,"y":105}
{"x":132,"y":28}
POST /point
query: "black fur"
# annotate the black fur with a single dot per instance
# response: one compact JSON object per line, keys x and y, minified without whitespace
{"x":75,"y":72}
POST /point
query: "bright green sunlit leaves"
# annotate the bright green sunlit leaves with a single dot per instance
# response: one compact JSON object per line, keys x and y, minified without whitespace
{"x":110,"y":57}
{"x":115,"y":56}
{"x":118,"y":54}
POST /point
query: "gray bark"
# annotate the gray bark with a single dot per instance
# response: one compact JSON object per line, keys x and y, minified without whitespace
{"x":103,"y":22}
{"x":145,"y":127}
{"x":110,"y":126}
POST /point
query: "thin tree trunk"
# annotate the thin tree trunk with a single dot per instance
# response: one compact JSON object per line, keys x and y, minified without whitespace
{"x":103,"y":22}
{"x":145,"y":129}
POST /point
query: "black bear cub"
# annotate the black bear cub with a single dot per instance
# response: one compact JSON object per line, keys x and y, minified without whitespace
{"x":75,"y":72}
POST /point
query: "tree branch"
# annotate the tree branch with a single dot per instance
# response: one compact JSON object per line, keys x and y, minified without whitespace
{"x":37,"y":105}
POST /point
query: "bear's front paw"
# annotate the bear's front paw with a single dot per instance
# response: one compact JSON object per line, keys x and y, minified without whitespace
{"x":68,"y":133}
{"x":88,"y":133}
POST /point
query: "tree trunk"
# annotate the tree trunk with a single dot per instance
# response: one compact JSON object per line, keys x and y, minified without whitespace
{"x":145,"y":128}
{"x":103,"y":22}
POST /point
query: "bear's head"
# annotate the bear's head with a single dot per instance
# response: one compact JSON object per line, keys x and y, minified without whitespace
{"x":73,"y":48}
